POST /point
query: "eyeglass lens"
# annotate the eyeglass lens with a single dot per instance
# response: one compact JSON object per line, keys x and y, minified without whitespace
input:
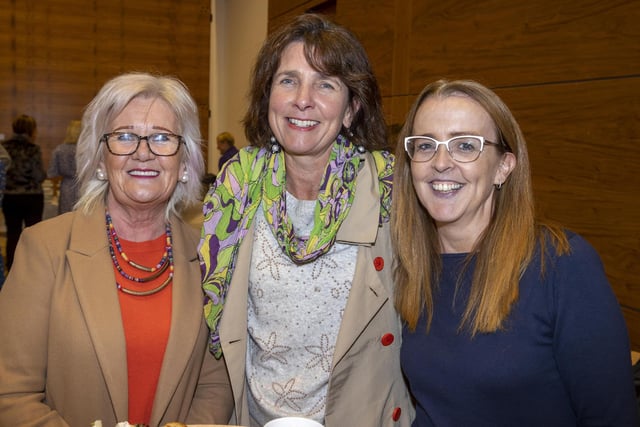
{"x":127,"y":143}
{"x":462,"y":148}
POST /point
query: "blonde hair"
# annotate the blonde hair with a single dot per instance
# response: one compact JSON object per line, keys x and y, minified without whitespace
{"x":114,"y":96}
{"x":506,"y":246}
{"x":73,"y":132}
{"x":225,"y":137}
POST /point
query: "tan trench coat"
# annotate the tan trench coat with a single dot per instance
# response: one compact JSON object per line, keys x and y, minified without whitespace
{"x":62,"y":345}
{"x":366,"y":387}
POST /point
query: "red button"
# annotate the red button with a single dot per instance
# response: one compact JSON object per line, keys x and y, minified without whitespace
{"x":378,"y":263}
{"x":387,"y":339}
{"x":396,"y":414}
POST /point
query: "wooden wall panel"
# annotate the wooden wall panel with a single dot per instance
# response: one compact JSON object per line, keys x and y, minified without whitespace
{"x":384,"y":27}
{"x":570,"y":71}
{"x":52,"y":61}
{"x":280,"y":8}
{"x":633,"y":322}
{"x":375,"y":22}
{"x":583,"y":162}
{"x":522,"y":43}
{"x":281,"y":11}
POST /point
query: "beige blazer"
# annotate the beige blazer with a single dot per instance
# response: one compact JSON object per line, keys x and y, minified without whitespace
{"x":62,"y":351}
{"x":366,"y":387}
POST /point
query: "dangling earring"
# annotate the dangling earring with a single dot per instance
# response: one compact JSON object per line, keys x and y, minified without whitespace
{"x":275,"y":147}
{"x":185,"y":177}
{"x":360,"y":148}
{"x":498,"y":186}
{"x":101,"y":175}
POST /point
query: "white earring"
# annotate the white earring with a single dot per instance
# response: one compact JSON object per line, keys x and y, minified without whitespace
{"x":185,"y":177}
{"x":101,"y":175}
{"x":275,"y":147}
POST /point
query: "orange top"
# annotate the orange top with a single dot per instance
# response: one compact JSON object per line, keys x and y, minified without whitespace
{"x":146,"y":321}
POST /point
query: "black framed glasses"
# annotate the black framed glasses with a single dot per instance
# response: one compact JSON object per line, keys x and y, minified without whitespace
{"x":463,"y":149}
{"x":127,"y":143}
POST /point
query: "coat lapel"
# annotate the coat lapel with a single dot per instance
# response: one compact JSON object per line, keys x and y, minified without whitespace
{"x":233,"y":326}
{"x":94,"y":281}
{"x":186,"y":294}
{"x":366,"y":298}
{"x":361,"y":227}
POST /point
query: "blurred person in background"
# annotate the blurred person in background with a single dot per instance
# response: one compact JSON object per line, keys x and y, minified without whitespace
{"x":63,"y":168}
{"x":226,"y":145}
{"x":101,"y":314}
{"x":5,"y":162}
{"x":23,"y":202}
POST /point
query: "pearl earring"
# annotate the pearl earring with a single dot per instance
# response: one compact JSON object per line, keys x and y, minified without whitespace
{"x":101,"y":175}
{"x":275,"y":147}
{"x":360,"y":148}
{"x":185,"y":177}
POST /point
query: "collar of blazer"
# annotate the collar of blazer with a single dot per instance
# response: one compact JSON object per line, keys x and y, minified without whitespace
{"x":362,"y":223}
{"x":94,"y":280}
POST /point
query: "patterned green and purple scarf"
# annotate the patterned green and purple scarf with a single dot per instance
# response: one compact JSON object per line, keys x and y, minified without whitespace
{"x":257,"y":176}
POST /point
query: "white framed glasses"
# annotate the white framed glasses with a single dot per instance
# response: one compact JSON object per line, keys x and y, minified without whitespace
{"x":463,"y":148}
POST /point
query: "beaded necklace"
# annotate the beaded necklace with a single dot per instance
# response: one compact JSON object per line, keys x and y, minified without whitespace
{"x":111,"y":232}
{"x":166,"y":262}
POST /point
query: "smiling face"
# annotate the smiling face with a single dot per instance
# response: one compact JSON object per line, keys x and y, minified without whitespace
{"x":458,"y":196}
{"x":142,"y":181}
{"x":307,"y":109}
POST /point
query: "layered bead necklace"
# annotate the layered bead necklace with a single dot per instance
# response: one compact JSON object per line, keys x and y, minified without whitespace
{"x":166,"y":262}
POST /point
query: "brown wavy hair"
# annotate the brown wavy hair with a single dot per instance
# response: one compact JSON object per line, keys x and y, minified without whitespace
{"x":332,"y":50}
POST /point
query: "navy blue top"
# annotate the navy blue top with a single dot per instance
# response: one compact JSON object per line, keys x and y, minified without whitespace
{"x":563,"y":360}
{"x":232,"y":151}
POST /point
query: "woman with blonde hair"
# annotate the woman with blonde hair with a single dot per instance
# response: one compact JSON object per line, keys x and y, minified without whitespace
{"x":101,"y":314}
{"x":63,"y":167}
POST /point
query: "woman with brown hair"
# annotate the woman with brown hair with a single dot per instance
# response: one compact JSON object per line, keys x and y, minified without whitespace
{"x":295,"y":251}
{"x":23,"y":202}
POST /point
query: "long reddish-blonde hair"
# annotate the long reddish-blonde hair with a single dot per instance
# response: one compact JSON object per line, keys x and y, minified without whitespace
{"x":503,"y":251}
